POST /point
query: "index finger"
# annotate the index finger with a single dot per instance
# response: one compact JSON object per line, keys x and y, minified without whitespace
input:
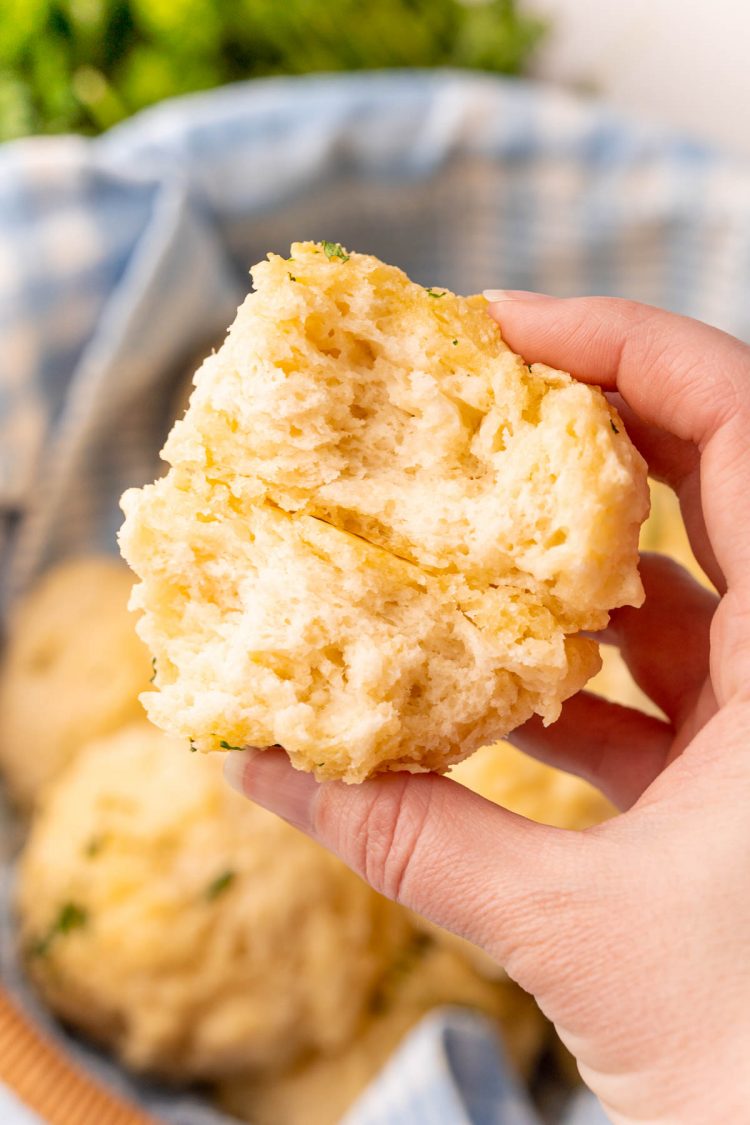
{"x":678,"y":374}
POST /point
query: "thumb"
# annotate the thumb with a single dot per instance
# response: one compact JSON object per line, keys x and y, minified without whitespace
{"x":497,"y":879}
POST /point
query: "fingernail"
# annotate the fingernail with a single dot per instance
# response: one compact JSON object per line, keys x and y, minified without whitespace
{"x":234,"y":768}
{"x":268,"y":778}
{"x":495,"y":296}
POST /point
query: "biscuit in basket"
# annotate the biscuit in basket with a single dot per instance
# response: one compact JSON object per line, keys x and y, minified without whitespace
{"x":197,"y":935}
{"x":320,"y":1089}
{"x":72,"y":670}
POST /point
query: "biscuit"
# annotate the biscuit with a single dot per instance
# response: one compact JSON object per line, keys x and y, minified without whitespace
{"x":510,"y":778}
{"x":319,"y":1090}
{"x":381,"y":529}
{"x":72,"y":670}
{"x":197,"y":935}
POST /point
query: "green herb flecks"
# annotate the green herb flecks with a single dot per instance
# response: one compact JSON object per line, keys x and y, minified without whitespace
{"x":93,"y":847}
{"x":193,"y":747}
{"x":614,"y":427}
{"x":403,"y":965}
{"x":455,"y":343}
{"x":292,"y":277}
{"x":220,"y":884}
{"x":153,"y":670}
{"x":434,"y":293}
{"x":71,"y":917}
{"x":228,"y":745}
{"x":335,"y":250}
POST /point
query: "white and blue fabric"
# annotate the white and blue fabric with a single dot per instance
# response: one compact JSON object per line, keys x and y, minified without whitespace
{"x":123,"y":257}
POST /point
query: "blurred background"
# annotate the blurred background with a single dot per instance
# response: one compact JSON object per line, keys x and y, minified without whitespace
{"x":84,"y":65}
{"x":682,"y":64}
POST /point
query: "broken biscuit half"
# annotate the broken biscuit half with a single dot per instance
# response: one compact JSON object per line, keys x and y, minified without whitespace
{"x":381,"y":530}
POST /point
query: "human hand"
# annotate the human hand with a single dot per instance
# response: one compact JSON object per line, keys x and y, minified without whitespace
{"x":634,"y":935}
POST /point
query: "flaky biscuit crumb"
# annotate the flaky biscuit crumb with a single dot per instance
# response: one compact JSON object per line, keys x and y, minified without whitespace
{"x":381,"y":529}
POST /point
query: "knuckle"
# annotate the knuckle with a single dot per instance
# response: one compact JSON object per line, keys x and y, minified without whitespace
{"x":379,"y":830}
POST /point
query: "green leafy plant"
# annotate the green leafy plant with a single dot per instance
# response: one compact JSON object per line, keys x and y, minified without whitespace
{"x":84,"y":65}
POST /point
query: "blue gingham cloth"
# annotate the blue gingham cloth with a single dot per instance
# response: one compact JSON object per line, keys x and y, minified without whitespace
{"x":122,"y":257}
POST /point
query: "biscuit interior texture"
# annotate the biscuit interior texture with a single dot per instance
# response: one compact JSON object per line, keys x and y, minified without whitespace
{"x":381,"y":529}
{"x":197,"y":935}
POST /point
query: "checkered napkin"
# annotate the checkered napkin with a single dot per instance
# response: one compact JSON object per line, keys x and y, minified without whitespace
{"x":124,"y":256}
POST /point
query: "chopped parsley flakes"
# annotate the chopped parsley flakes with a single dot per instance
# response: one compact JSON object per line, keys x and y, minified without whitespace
{"x":71,"y":917}
{"x":93,"y":847}
{"x":614,"y":427}
{"x":434,"y":293}
{"x":220,"y":884}
{"x":404,"y":963}
{"x":228,"y":746}
{"x":335,"y":250}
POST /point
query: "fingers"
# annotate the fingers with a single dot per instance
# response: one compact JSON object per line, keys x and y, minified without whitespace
{"x":666,"y":643}
{"x":670,"y":459}
{"x":676,"y":374}
{"x":483,"y":872}
{"x":617,"y":749}
{"x":677,"y":464}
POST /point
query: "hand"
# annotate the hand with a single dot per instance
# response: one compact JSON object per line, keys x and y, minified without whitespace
{"x":634,"y":936}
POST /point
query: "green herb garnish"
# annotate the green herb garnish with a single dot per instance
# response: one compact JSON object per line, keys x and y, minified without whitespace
{"x":292,"y":277}
{"x":71,"y":917}
{"x":228,"y":746}
{"x":193,"y":747}
{"x":455,"y":343}
{"x":153,"y":670}
{"x":614,"y":427}
{"x":335,"y":250}
{"x":93,"y":847}
{"x":434,"y":293}
{"x":403,"y":965}
{"x":220,"y":884}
